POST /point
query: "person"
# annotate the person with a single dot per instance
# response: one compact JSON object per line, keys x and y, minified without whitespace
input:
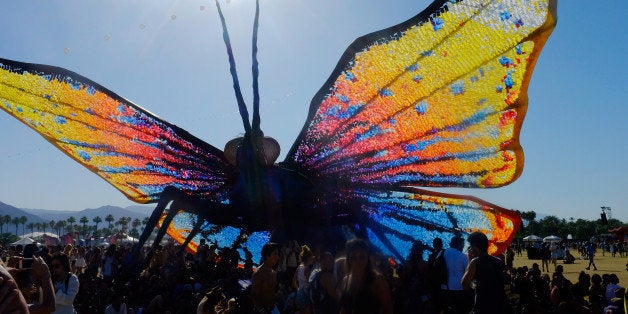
{"x":291,"y":255}
{"x":209,"y":301}
{"x":11,"y":299}
{"x":545,"y":257}
{"x":485,"y":274}
{"x":110,"y":264}
{"x":264,"y":280}
{"x":80,"y":263}
{"x":569,"y":259}
{"x":29,"y":280}
{"x":553,"y":248}
{"x":437,"y":273}
{"x":340,"y":264}
{"x":301,"y":279}
{"x":66,"y":284}
{"x":323,"y":296}
{"x":94,"y":259}
{"x":611,"y":287}
{"x":413,"y":294}
{"x":591,"y":253}
{"x":455,"y":297}
{"x":117,"y":306}
{"x":510,"y":258}
{"x":201,"y":254}
{"x":363,"y":290}
{"x":534,"y":271}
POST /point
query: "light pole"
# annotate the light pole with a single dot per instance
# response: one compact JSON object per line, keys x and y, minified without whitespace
{"x":607,"y":210}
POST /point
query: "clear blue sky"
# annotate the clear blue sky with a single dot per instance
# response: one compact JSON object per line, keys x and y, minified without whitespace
{"x":168,"y":57}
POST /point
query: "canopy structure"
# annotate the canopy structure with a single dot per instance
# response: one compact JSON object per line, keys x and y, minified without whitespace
{"x":127,"y":239}
{"x":23,"y":241}
{"x":552,"y":238}
{"x":39,"y":234}
{"x":532,"y":238}
{"x":121,"y":238}
{"x":620,"y":232}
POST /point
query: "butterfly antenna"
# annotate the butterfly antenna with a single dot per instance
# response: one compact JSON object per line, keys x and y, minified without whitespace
{"x":236,"y":83}
{"x":256,"y":117}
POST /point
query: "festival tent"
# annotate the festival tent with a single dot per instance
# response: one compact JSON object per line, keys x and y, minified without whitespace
{"x":23,"y":241}
{"x":532,"y":238}
{"x":121,"y":238}
{"x":127,"y":239}
{"x":39,"y":234}
{"x":551,"y":238}
{"x":620,"y":232}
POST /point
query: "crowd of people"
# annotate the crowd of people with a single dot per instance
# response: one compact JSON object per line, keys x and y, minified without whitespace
{"x":293,"y":278}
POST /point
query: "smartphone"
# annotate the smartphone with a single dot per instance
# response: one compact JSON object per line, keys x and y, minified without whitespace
{"x":22,"y":262}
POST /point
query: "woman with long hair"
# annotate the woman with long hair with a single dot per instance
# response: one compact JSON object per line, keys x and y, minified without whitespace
{"x":301,"y":279}
{"x":109,"y":264}
{"x":80,"y":263}
{"x":65,"y":283}
{"x":363,"y":290}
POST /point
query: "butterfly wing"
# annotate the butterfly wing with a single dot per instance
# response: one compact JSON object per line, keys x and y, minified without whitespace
{"x":225,"y":236}
{"x":435,"y":101}
{"x":393,"y":220}
{"x":132,"y":149}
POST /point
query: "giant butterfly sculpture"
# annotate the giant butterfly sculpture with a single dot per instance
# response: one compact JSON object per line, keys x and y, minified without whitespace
{"x":436,"y":101}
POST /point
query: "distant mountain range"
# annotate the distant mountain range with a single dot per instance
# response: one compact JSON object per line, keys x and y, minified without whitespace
{"x":45,"y":215}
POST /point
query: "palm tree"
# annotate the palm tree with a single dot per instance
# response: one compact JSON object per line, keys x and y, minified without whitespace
{"x":60,"y":225}
{"x":135,"y":223}
{"x":71,"y":221}
{"x":1,"y":224}
{"x":97,"y":220}
{"x":53,"y":225}
{"x":31,"y":226}
{"x":16,"y":222}
{"x":23,"y":221}
{"x":43,"y":226}
{"x":7,"y":220}
{"x":109,"y":218}
{"x":145,"y":221}
{"x":38,"y":226}
{"x":128,"y":221}
{"x":84,"y":221}
{"x":122,"y":223}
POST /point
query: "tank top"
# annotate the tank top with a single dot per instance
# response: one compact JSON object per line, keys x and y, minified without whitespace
{"x":490,"y":296}
{"x":363,"y":302}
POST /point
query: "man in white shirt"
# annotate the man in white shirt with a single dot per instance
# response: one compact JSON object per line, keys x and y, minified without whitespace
{"x":458,"y":300}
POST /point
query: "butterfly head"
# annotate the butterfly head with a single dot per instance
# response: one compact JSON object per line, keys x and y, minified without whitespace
{"x":252,"y":148}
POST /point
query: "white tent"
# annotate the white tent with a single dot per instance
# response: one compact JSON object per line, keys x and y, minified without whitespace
{"x":127,"y":239}
{"x":551,"y":238}
{"x":532,"y":238}
{"x":23,"y":241}
{"x":38,"y":234}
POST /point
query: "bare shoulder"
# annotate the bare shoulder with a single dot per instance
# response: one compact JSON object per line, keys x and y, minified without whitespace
{"x":264,"y":276}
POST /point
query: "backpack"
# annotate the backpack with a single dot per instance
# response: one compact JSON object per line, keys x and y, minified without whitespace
{"x":438,"y":268}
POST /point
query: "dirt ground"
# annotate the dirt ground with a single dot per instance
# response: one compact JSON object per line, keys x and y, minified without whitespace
{"x":605,"y":265}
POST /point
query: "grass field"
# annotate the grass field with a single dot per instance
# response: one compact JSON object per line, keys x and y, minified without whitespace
{"x":605,"y":265}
